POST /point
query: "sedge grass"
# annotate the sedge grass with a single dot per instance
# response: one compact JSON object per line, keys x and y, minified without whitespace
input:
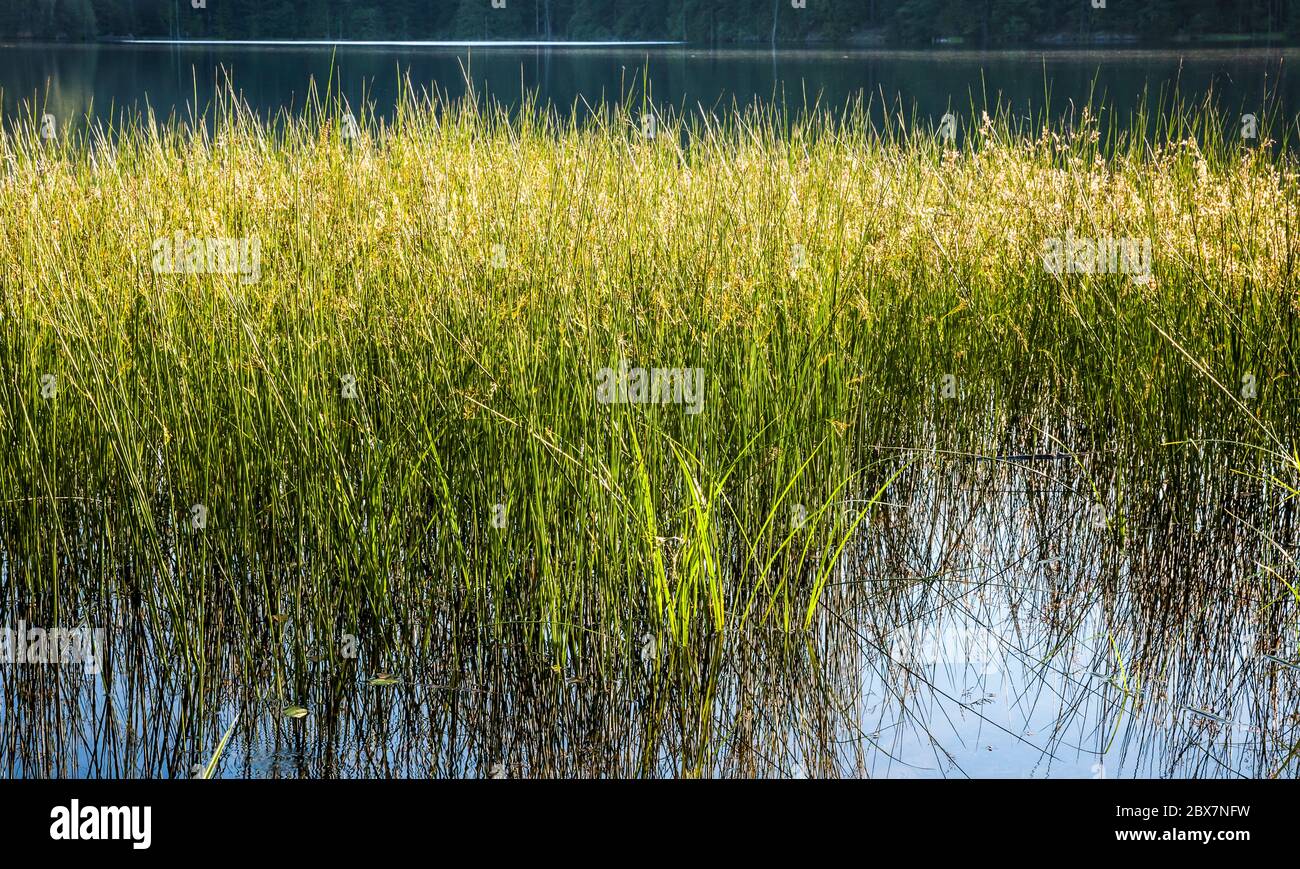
{"x":469,"y":269}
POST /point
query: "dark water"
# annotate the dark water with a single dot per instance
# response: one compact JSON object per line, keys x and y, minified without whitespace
{"x":69,"y":81}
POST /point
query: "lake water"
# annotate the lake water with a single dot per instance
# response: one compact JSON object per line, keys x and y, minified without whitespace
{"x":70,"y":81}
{"x":987,"y":626}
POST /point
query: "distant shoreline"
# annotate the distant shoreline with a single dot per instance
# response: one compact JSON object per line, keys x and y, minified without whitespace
{"x":1050,"y":42}
{"x":407,"y":43}
{"x":1117,"y":47}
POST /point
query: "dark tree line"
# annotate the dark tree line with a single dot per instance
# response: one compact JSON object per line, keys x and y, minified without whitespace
{"x":981,"y":22}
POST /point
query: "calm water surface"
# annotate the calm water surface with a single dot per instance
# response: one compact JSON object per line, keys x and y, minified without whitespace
{"x":71,"y":81}
{"x":987,"y":625}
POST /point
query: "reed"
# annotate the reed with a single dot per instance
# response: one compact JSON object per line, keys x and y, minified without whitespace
{"x":386,"y":403}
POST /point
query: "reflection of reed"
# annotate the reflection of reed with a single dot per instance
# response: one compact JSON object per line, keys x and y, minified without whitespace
{"x":61,"y":83}
{"x":1158,"y":652}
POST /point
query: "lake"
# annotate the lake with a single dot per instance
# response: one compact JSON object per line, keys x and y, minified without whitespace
{"x":71,"y":80}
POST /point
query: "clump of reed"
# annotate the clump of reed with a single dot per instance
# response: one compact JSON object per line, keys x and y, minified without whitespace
{"x":397,"y":414}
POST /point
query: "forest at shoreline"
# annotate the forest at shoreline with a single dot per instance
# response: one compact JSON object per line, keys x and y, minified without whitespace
{"x":982,"y":23}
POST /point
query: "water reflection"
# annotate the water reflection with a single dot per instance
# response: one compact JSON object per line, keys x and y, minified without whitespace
{"x":992,"y":621}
